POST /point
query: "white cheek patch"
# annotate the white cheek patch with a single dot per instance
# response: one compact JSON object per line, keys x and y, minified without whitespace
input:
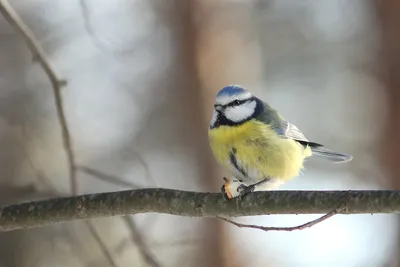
{"x":241,"y":112}
{"x":213,"y":118}
{"x":223,"y":100}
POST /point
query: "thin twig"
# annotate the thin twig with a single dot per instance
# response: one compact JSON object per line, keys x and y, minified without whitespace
{"x":88,"y":27}
{"x":38,"y":54}
{"x":106,"y":177}
{"x":46,"y":181}
{"x":135,"y":234}
{"x":146,"y":167}
{"x":137,"y":239}
{"x":287,"y":229}
{"x":116,"y":180}
{"x":57,"y":83}
{"x":92,"y":230}
{"x":102,"y":245}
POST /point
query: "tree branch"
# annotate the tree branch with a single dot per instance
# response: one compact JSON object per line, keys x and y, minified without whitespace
{"x":57,"y":83}
{"x":38,"y":54}
{"x":194,"y":204}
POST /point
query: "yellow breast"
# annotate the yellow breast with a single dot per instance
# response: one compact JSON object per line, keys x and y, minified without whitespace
{"x":258,"y":150}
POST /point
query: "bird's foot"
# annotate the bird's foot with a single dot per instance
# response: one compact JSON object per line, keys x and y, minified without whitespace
{"x":244,"y":190}
{"x":230,"y":189}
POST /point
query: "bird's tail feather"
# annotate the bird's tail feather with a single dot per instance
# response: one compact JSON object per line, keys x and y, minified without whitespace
{"x":333,"y":156}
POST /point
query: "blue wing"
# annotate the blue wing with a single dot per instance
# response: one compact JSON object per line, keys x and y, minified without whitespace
{"x":288,"y":130}
{"x":282,"y":127}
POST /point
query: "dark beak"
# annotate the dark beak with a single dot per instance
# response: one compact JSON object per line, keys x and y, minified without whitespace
{"x":218,"y":108}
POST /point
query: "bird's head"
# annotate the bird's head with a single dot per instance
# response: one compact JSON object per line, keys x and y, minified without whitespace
{"x":234,"y":105}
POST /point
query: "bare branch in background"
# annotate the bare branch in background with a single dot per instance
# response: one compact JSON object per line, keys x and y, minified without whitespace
{"x":195,"y":204}
{"x":146,"y":167}
{"x":57,"y":83}
{"x":106,"y":252}
{"x":287,"y":229}
{"x":117,"y":180}
{"x":106,"y":177}
{"x":37,"y":52}
{"x":135,"y":233}
{"x":137,"y":239}
{"x":101,"y":45}
{"x":89,"y":29}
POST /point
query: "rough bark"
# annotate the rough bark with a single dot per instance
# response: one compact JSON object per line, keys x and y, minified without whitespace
{"x":194,"y":204}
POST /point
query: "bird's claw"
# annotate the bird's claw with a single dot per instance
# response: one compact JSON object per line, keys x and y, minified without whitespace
{"x":235,"y":188}
{"x":244,"y":190}
{"x":230,"y":188}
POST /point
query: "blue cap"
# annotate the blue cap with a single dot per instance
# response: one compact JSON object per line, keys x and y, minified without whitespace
{"x":231,"y":90}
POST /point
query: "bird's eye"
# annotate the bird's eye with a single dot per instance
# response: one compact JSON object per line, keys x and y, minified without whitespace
{"x":236,"y":102}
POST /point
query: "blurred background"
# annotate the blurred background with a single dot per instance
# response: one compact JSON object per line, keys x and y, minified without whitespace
{"x":142,"y":78}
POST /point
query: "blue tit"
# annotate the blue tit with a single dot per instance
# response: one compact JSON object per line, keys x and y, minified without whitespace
{"x":257,"y":145}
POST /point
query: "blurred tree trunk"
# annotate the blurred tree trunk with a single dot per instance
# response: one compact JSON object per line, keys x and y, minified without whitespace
{"x":224,"y":43}
{"x":389,"y":18}
{"x":13,"y":248}
{"x":389,"y":15}
{"x":186,"y":79}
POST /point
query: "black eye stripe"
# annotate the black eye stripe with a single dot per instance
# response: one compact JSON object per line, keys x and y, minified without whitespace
{"x":223,"y":121}
{"x":237,"y":103}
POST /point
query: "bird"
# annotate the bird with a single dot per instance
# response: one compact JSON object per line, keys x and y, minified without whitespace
{"x":259,"y":148}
